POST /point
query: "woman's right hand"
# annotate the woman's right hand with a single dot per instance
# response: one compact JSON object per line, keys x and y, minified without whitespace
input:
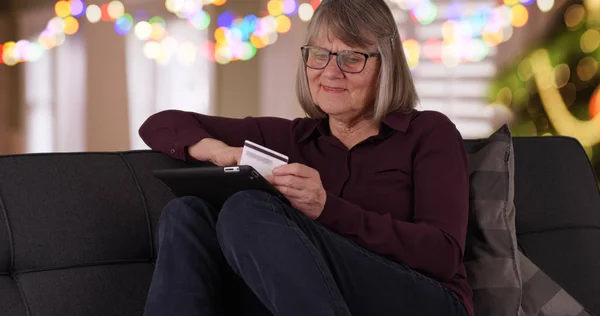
{"x":216,"y":152}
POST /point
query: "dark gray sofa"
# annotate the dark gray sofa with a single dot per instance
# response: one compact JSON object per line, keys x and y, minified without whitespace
{"x":76,"y":229}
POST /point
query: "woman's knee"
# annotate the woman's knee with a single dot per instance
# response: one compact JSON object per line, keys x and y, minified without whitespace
{"x":241,"y":213}
{"x":242,"y":203}
{"x":187,"y":209}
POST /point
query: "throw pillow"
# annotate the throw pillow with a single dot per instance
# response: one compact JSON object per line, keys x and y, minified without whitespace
{"x":544,"y":297}
{"x":491,"y":249}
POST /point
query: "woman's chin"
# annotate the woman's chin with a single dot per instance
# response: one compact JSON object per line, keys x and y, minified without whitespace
{"x":332,"y":108}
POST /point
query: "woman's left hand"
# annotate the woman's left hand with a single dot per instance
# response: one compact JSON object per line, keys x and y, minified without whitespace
{"x":302,"y":186}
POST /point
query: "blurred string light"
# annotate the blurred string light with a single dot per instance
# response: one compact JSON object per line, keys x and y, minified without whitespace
{"x":236,"y":37}
{"x":153,"y":30}
{"x":467,"y":34}
{"x":587,"y":132}
{"x":564,"y":73}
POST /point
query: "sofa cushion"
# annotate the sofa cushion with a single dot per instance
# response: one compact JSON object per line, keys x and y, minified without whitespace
{"x":542,"y":296}
{"x":97,"y":290}
{"x":76,"y":233}
{"x":11,"y":301}
{"x":490,"y":254}
{"x":93,"y":200}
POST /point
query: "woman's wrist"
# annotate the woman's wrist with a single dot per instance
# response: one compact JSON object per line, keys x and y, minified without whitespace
{"x":206,"y":150}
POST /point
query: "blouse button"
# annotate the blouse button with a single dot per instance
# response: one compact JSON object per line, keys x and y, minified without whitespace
{"x":172,"y":151}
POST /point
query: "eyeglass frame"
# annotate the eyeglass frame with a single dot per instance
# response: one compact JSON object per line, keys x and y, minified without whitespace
{"x":337,"y":60}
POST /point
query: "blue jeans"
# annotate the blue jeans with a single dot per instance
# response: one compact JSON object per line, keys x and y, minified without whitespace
{"x":258,"y":256}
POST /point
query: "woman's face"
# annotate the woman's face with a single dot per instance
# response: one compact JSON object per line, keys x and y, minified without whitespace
{"x":346,"y":96}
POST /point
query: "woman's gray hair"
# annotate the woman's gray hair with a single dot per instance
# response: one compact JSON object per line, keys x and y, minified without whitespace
{"x":359,"y":23}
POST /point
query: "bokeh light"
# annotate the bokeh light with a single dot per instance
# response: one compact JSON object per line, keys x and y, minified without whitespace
{"x":143,"y":30}
{"x":425,"y":13}
{"x":479,"y":50}
{"x":275,"y":7}
{"x":595,"y":103}
{"x":158,"y":29}
{"x":225,"y":19}
{"x":220,"y":34}
{"x":115,"y":10}
{"x":575,"y":16}
{"x":200,"y":20}
{"x":223,"y":55}
{"x":504,"y":96}
{"x":433,"y":50}
{"x":315,"y":3}
{"x":520,"y":16}
{"x":105,"y":15}
{"x":545,"y":5}
{"x":62,"y":9}
{"x":77,"y":8}
{"x":412,"y":49}
{"x":207,"y":50}
{"x":525,"y":72}
{"x":289,"y":7}
{"x":56,"y":25}
{"x":47,"y":41}
{"x":284,"y":24}
{"x":305,"y":12}
{"x":590,"y":40}
{"x":492,"y":38}
{"x":71,"y":25}
{"x":561,"y":74}
{"x":175,"y":5}
{"x":93,"y":13}
{"x":124,"y":24}
{"x":511,"y":2}
{"x":587,"y":68}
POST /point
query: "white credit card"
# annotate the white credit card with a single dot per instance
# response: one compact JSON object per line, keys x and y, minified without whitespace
{"x":261,"y":158}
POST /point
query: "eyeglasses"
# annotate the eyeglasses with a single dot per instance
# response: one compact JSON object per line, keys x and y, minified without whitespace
{"x":348,"y":61}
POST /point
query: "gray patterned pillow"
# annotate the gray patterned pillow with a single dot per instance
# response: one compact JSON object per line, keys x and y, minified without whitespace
{"x":542,"y":296}
{"x":491,"y":248}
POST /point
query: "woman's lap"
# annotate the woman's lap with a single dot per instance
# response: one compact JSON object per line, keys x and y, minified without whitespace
{"x":369,"y":284}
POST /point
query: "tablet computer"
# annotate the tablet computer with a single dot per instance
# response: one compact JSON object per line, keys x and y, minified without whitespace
{"x":215,"y":184}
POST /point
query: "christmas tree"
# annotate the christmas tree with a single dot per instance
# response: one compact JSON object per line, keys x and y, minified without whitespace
{"x":554,"y":88}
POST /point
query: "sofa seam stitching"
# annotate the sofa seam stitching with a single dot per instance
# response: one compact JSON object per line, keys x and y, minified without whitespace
{"x":82,"y":265}
{"x":23,"y":296}
{"x":144,"y":204}
{"x":9,"y":233}
{"x":554,"y":229}
{"x":11,"y":266}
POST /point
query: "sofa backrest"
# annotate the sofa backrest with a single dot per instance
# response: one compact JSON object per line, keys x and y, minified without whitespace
{"x":558,"y":214}
{"x":76,"y":230}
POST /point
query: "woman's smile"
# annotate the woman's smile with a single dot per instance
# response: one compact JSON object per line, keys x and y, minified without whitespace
{"x":329,"y":89}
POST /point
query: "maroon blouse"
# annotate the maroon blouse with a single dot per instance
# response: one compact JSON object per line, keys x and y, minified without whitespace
{"x":403,"y":194}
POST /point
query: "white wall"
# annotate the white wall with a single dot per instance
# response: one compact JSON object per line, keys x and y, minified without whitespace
{"x":278,"y":64}
{"x":53,"y":102}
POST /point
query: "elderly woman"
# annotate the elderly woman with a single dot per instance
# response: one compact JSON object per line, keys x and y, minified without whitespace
{"x":378,"y":190}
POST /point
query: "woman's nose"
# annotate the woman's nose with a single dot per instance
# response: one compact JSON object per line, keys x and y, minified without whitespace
{"x":332,"y":69}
